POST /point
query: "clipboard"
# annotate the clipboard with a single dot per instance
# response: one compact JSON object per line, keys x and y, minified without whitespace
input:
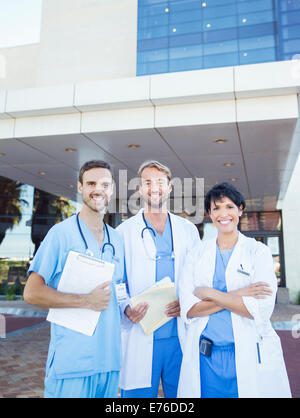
{"x":81,"y":275}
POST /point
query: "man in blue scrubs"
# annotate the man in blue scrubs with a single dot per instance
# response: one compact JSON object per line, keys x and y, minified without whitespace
{"x":78,"y":365}
{"x":172,"y":237}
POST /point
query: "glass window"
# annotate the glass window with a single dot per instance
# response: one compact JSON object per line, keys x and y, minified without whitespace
{"x":188,"y":39}
{"x":221,"y":60}
{"x":220,"y":35}
{"x":221,"y":11}
{"x":186,"y":16}
{"x":221,"y":47}
{"x":286,"y":5}
{"x":26,"y":215}
{"x":220,"y":23}
{"x":254,"y":6}
{"x":152,"y":2}
{"x":291,"y":18}
{"x":182,"y":28}
{"x":156,"y":55}
{"x":257,"y":42}
{"x":213,"y":3}
{"x":153,"y":67}
{"x":292,"y":46}
{"x":223,"y":32}
{"x":15,"y":215}
{"x":149,"y":44}
{"x":186,"y":64}
{"x":186,"y":51}
{"x":257,"y":30}
{"x":289,"y":32}
{"x":157,"y":20}
{"x":153,"y":32}
{"x":184,"y":5}
{"x":160,"y":8}
{"x":256,"y":18}
{"x":257,"y":55}
{"x":288,"y":57}
{"x":261,"y":221}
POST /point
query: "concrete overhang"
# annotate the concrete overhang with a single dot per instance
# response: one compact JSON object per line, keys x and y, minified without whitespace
{"x":174,"y":118}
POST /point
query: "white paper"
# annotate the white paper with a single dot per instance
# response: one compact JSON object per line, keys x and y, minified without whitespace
{"x":81,"y":275}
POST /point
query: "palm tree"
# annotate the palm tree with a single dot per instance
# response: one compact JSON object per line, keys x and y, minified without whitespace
{"x":10,"y":205}
{"x":48,"y":210}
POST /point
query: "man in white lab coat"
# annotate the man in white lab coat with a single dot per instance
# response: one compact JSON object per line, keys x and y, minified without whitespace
{"x":156,"y":244}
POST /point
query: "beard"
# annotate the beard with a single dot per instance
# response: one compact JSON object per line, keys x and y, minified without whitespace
{"x":156,"y":206}
{"x":92,"y":205}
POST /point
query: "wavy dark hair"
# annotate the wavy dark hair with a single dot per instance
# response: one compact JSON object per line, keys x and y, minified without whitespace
{"x":93,"y":164}
{"x":221,"y":190}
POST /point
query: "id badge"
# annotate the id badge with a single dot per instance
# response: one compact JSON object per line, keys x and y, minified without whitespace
{"x":121,"y":292}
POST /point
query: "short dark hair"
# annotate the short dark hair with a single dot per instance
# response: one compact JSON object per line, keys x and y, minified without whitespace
{"x":93,"y":164}
{"x":221,"y":190}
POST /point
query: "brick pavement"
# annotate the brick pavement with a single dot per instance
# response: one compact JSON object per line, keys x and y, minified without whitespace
{"x":22,"y":363}
{"x":291,"y":352}
{"x":23,"y":357}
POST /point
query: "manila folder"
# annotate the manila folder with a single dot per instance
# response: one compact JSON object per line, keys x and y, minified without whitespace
{"x":157,"y":297}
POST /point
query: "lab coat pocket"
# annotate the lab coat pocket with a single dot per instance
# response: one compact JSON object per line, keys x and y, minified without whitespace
{"x":269,"y":351}
{"x":272,"y":377}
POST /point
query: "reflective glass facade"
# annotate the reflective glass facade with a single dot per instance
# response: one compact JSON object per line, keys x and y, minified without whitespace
{"x":180,"y":35}
{"x":26,"y":215}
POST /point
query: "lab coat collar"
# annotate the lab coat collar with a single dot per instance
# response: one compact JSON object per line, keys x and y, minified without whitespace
{"x":241,"y":240}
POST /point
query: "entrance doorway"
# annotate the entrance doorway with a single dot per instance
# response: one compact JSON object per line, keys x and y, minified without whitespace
{"x":274,"y":241}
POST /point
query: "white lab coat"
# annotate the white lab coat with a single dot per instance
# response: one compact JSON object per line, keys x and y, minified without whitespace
{"x":254,"y":379}
{"x":136,"y":346}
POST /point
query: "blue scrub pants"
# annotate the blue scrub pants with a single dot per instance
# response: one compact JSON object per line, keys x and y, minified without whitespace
{"x":218,"y":373}
{"x":100,"y":385}
{"x":166,"y":363}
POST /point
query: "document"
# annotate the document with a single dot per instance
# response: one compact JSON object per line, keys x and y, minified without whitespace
{"x":81,"y":275}
{"x":157,"y":297}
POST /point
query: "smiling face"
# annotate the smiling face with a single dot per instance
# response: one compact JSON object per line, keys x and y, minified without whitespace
{"x":154,"y":188}
{"x":96,"y":189}
{"x":225,"y":215}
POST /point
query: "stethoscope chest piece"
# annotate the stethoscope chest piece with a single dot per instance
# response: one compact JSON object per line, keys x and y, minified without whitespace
{"x":151,"y":231}
{"x":106,"y":244}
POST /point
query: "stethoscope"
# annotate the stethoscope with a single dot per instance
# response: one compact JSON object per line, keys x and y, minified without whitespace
{"x":89,"y":252}
{"x":146,"y":227}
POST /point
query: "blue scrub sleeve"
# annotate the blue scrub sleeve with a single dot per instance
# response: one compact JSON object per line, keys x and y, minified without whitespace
{"x":47,"y":260}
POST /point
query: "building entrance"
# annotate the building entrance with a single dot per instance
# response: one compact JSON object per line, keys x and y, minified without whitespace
{"x":266,"y":228}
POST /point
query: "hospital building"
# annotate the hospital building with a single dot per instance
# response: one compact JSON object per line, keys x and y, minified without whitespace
{"x":208,"y":88}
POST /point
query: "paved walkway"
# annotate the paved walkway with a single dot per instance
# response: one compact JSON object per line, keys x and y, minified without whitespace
{"x":23,"y":353}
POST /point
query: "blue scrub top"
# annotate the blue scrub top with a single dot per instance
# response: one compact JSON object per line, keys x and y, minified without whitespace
{"x":164,"y":267}
{"x":219,"y":326}
{"x":71,"y":353}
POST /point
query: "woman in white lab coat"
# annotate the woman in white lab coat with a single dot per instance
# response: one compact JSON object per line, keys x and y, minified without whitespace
{"x":227,"y":296}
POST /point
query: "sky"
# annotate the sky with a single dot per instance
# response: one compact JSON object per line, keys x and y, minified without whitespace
{"x":20,"y":22}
